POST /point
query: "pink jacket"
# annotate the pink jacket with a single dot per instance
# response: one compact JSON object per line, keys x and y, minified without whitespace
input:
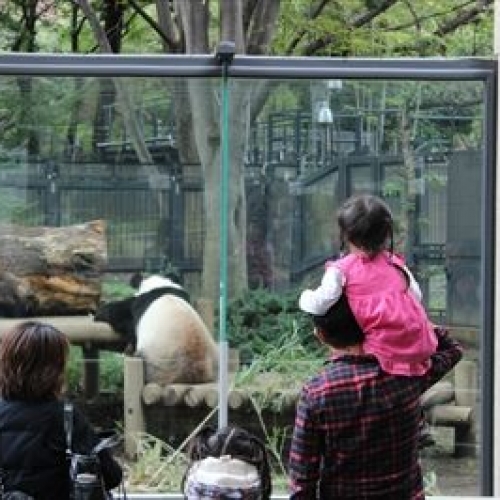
{"x":395,"y":323}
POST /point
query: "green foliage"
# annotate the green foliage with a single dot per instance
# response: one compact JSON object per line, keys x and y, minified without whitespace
{"x":261,"y":320}
{"x":15,"y":210}
{"x":405,"y":29}
{"x":158,"y":467}
{"x":74,"y":370}
{"x":114,"y":288}
{"x":110,"y":370}
{"x":274,"y":377}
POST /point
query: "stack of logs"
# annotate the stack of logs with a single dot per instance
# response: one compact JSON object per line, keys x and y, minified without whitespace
{"x":453,"y":405}
{"x":191,"y":395}
{"x":447,"y":404}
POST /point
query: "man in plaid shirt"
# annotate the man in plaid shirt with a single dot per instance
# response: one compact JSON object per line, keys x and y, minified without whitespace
{"x":356,"y":427}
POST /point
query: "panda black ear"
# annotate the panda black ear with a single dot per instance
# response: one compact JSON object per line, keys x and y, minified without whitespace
{"x":173,"y":276}
{"x":135,"y":280}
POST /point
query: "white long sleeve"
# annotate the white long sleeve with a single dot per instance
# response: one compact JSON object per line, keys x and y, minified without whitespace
{"x":414,"y":286}
{"x":318,"y":301}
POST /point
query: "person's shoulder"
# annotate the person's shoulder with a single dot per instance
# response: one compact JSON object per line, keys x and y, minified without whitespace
{"x":48,"y":406}
{"x":340,"y":371}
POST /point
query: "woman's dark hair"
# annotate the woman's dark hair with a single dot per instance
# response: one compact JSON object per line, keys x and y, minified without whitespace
{"x":366,"y":221}
{"x":32,"y":362}
{"x":339,"y":326}
{"x":237,"y":443}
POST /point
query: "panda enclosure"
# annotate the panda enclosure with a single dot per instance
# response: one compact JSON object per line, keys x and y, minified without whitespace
{"x":281,"y":208}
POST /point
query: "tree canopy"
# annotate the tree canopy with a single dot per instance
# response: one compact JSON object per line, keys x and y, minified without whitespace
{"x":292,"y":27}
{"x":334,"y":28}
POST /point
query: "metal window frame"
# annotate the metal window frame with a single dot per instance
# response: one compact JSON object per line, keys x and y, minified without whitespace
{"x":273,"y":68}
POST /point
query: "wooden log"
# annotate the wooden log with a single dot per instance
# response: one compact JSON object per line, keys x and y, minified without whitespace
{"x":466,"y":392}
{"x":237,"y":399}
{"x":466,"y":444}
{"x":450,"y":415}
{"x":51,"y":270}
{"x":466,"y":383}
{"x":211,"y":397}
{"x":466,"y":335}
{"x":134,"y":420}
{"x":152,"y":393}
{"x":439,"y":393}
{"x":80,"y":330}
{"x":196,"y":394}
{"x":173,"y":394}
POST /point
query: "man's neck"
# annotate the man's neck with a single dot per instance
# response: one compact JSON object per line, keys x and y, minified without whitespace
{"x":353,"y":350}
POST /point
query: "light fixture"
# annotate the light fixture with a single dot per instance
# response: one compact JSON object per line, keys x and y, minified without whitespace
{"x":325,"y":115}
{"x":334,"y":84}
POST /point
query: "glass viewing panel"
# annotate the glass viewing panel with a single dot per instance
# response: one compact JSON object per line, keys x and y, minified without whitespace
{"x":142,"y":157}
{"x":417,"y":144}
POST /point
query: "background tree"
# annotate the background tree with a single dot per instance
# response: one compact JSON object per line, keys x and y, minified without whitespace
{"x":258,"y":27}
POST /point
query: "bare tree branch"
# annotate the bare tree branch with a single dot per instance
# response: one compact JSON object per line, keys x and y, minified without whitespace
{"x":231,"y":23}
{"x":127,"y":107}
{"x":320,"y":43}
{"x":314,"y":12}
{"x":194,"y":16}
{"x":262,"y":26}
{"x":367,"y":17}
{"x":167,"y":27}
{"x":248,"y":9}
{"x":432,"y":15}
{"x":416,"y":20}
{"x":163,"y":35}
{"x":359,"y":21}
{"x":463,"y":18}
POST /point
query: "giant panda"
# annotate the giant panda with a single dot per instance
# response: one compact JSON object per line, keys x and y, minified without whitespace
{"x":169,"y":334}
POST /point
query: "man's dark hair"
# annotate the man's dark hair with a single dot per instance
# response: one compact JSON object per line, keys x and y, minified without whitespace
{"x":339,"y":326}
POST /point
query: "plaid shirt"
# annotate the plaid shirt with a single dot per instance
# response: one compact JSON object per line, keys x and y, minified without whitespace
{"x":356,"y":429}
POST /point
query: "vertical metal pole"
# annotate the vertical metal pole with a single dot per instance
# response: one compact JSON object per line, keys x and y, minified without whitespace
{"x":224,"y":208}
{"x":488,"y":223}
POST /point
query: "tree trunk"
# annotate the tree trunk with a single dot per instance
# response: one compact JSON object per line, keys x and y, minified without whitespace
{"x":51,"y":270}
{"x":127,"y":107}
{"x":207,"y":134}
{"x":113,"y":24}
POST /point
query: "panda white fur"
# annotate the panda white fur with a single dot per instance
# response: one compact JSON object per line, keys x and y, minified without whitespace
{"x":172,"y":338}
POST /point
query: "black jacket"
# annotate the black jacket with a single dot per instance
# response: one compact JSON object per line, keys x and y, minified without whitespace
{"x":33,"y":449}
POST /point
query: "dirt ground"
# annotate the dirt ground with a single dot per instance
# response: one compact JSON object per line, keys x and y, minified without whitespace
{"x":446,"y":474}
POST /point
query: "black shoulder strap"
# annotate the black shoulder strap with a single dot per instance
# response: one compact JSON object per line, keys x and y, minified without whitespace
{"x":68,"y":426}
{"x":2,"y":474}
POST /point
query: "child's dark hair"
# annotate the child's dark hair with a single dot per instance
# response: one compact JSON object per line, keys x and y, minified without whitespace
{"x":366,"y":221}
{"x":339,"y":326}
{"x":237,"y":443}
